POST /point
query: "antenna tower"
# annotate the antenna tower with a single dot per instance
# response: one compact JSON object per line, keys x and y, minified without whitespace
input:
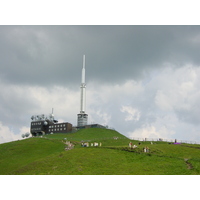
{"x":82,"y":116}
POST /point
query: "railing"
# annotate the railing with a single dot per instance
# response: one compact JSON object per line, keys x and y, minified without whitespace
{"x":164,"y":140}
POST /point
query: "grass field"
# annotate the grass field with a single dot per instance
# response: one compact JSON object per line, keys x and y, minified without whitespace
{"x":47,"y":155}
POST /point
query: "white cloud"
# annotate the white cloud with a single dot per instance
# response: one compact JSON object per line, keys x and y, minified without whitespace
{"x":181,"y":94}
{"x":24,"y":129}
{"x":64,"y":101}
{"x":160,"y":105}
{"x":37,"y":100}
{"x":133,"y":114}
{"x":166,"y":106}
{"x":150,"y":131}
{"x":104,"y":116}
{"x":7,"y":135}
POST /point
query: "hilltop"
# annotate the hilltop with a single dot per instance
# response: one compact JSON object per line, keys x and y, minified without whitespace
{"x":89,"y":134}
{"x":47,"y":155}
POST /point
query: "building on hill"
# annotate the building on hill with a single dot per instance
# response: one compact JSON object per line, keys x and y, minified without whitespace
{"x":42,"y":125}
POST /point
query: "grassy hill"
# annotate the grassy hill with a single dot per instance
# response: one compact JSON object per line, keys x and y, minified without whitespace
{"x":47,"y":155}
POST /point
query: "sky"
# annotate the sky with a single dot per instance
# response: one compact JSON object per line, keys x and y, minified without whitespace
{"x":143,"y":81}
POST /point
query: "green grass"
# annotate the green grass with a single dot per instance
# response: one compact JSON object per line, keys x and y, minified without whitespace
{"x":47,"y":156}
{"x":99,"y":161}
{"x":89,"y":134}
{"x":14,"y":155}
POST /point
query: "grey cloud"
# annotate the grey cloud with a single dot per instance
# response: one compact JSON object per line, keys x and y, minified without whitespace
{"x":16,"y":105}
{"x":50,"y":55}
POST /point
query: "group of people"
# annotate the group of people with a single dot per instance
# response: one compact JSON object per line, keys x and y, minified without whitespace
{"x":95,"y":144}
{"x":145,"y":149}
{"x":132,"y":146}
{"x":69,"y":145}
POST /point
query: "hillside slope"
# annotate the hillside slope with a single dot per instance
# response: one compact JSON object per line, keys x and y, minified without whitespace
{"x":14,"y":155}
{"x":48,"y":156}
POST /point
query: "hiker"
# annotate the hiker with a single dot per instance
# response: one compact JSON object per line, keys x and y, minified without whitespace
{"x":146,"y":150}
{"x":130,"y":144}
{"x":96,"y":144}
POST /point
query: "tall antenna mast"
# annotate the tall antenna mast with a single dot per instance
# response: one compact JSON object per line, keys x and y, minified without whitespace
{"x":82,"y":117}
{"x":83,"y":88}
{"x":83,"y":70}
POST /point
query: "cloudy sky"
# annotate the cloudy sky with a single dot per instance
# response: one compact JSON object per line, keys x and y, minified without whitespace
{"x":143,"y":81}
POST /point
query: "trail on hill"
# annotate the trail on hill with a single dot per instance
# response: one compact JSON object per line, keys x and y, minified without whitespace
{"x":189,"y":165}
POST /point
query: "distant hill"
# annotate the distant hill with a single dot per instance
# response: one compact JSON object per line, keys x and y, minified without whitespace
{"x":47,"y":155}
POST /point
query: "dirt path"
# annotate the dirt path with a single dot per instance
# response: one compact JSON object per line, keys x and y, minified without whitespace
{"x":189,"y":165}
